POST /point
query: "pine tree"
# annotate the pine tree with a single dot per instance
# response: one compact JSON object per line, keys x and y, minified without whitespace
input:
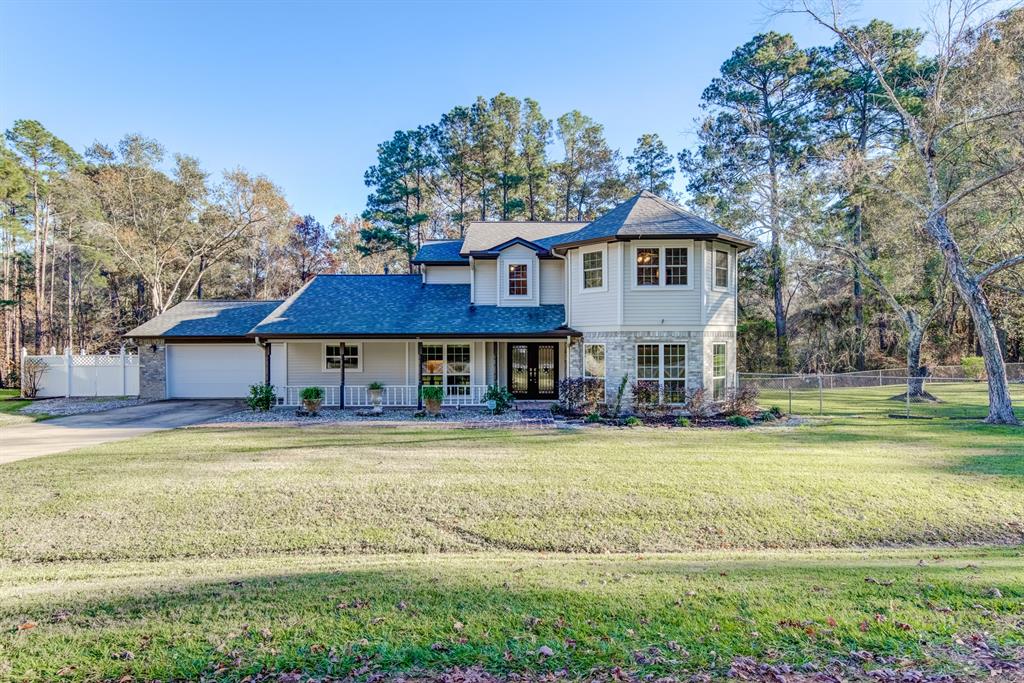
{"x":651,"y":167}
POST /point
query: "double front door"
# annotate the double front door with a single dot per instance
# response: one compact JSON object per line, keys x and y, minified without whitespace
{"x":533,"y":370}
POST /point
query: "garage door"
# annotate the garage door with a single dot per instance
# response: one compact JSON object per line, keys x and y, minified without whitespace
{"x":213,"y":370}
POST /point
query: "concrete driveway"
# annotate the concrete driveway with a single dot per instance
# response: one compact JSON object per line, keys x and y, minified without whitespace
{"x":75,"y":431}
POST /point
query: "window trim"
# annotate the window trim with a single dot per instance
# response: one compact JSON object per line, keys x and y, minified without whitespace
{"x":359,"y":357}
{"x":507,"y":263}
{"x":725,"y":377}
{"x":604,"y":377}
{"x":661,"y":366}
{"x":714,"y":270}
{"x":603,"y":250}
{"x":662,"y":268}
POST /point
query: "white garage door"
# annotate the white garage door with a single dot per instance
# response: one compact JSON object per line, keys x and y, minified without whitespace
{"x":213,"y":370}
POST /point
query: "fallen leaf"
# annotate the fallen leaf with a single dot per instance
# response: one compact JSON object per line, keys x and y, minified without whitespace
{"x":27,"y":625}
{"x":545,"y":651}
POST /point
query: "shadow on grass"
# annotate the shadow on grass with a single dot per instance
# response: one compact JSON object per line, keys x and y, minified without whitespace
{"x":493,"y":613}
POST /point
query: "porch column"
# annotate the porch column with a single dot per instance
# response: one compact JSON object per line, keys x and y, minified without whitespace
{"x":341,"y":387}
{"x":419,"y":375}
{"x":266,"y":364}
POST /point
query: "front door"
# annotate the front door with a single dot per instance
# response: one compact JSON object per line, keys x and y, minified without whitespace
{"x":533,"y":371}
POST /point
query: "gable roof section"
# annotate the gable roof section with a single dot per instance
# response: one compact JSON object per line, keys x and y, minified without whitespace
{"x":206,"y":318}
{"x":441,"y":253}
{"x":646,"y":215}
{"x":483,"y":236}
{"x":354,"y":306}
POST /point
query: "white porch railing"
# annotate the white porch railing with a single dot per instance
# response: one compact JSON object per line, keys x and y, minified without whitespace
{"x":391,"y":396}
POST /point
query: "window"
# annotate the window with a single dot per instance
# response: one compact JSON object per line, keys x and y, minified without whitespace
{"x":648,"y":270}
{"x":593,"y":363}
{"x":676,"y":267}
{"x":666,"y":365}
{"x":448,"y":366}
{"x":593,"y":269}
{"x":662,"y":266}
{"x":722,"y":269}
{"x":518,"y":279}
{"x":353,"y":357}
{"x":720,"y":363}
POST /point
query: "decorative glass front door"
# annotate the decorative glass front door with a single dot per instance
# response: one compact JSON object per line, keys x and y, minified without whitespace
{"x":533,"y":370}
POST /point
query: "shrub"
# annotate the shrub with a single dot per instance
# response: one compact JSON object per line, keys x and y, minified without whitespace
{"x":261,"y":397}
{"x":580,"y":395}
{"x":619,"y":394}
{"x":646,"y":397}
{"x":776,"y":411}
{"x":739,"y":421}
{"x":767,"y":416}
{"x":741,"y":401}
{"x":312,"y":394}
{"x":632,"y":421}
{"x":973,"y":367}
{"x":35,"y":368}
{"x":432,"y":392}
{"x":374,"y":386}
{"x":682,"y":421}
{"x":501,"y":396}
{"x":592,"y":417}
{"x":698,"y":403}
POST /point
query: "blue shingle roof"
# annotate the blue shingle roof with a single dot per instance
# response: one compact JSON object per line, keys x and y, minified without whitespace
{"x":206,"y":318}
{"x":441,"y":253}
{"x":401,"y":305}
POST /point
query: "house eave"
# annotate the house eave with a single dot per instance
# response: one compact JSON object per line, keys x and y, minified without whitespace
{"x":557,"y":333}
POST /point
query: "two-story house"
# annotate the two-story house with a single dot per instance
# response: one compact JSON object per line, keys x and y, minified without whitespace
{"x":646,"y":291}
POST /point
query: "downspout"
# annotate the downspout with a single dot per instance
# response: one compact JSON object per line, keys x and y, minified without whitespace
{"x":472,"y":281}
{"x":568,"y":288}
{"x":419,"y":374}
{"x":266,"y":361}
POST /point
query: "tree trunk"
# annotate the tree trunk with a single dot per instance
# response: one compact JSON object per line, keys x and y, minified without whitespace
{"x":778,"y":275}
{"x":1000,"y":407}
{"x":915,"y":372}
{"x":859,"y":341}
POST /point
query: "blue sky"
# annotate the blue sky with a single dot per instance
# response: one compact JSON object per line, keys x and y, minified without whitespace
{"x":303,"y":92}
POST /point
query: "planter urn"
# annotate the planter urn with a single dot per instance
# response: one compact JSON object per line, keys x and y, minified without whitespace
{"x":312,"y":406}
{"x":376,"y":401}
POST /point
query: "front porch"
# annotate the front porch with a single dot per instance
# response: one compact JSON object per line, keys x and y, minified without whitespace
{"x":464,"y":368}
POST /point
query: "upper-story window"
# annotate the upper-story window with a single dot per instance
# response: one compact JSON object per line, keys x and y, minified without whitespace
{"x":518,"y":279}
{"x":648,"y":266}
{"x":593,"y":269}
{"x":721,"y":269}
{"x":662,"y":266}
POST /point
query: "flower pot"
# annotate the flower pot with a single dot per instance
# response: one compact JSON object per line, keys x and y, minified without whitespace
{"x":375,"y":400}
{"x":312,"y":407}
{"x":433,"y":406}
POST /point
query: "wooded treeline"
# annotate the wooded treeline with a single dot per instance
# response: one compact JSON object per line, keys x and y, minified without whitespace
{"x":881,"y":176}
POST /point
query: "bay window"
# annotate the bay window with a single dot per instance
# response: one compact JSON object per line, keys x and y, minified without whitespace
{"x":593,"y":363}
{"x":721,"y":269}
{"x":666,"y":365}
{"x":662,"y":267}
{"x":720,"y":364}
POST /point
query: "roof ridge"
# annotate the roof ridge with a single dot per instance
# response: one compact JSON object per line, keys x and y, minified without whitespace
{"x":236,"y":301}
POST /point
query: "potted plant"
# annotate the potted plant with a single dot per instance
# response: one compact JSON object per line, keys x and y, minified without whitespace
{"x":432,"y":396}
{"x":312,"y":398}
{"x":376,"y":388}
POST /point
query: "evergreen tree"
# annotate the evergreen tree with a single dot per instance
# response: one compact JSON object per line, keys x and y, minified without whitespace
{"x":587,"y":179}
{"x":534,"y":136}
{"x":651,"y":167}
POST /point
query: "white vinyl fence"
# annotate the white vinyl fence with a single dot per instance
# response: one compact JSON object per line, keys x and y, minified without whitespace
{"x":84,"y":374}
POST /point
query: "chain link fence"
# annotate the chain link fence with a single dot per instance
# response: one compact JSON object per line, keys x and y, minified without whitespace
{"x":945,"y":393}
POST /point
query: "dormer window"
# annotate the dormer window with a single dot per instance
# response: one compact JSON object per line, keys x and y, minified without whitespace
{"x":518,"y":279}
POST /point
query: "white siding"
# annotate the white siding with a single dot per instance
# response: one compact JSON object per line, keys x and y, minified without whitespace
{"x":518,"y":253}
{"x":721,"y":304}
{"x":383,"y":361}
{"x":552,"y":284}
{"x":446,"y":275}
{"x":485,"y":286}
{"x":659,"y":306}
{"x":600,"y":309}
{"x":278,"y":365}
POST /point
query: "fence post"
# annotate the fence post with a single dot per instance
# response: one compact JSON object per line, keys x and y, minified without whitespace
{"x":21,"y":375}
{"x":821,"y":397}
{"x":791,"y":400}
{"x":879,"y":377}
{"x":68,"y":358}
{"x":124,"y":381}
{"x":908,"y":397}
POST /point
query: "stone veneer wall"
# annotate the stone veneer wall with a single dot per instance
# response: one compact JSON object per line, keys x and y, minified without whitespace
{"x":152,"y":370}
{"x":620,"y":355}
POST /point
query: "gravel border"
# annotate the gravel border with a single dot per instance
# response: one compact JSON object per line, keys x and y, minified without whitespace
{"x":79,"y":406}
{"x":281,"y":415}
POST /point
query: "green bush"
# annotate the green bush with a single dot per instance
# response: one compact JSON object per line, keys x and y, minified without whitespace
{"x":776,"y":411}
{"x":261,"y":397}
{"x":374,"y":386}
{"x":592,"y":417}
{"x":682,"y":421}
{"x":312,"y":394}
{"x":502,"y":397}
{"x":973,"y":367}
{"x":633,"y":421}
{"x":432,"y":392}
{"x":739,"y":421}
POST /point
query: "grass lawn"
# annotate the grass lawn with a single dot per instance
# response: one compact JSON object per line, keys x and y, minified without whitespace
{"x":226,"y":552}
{"x":10,"y":404}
